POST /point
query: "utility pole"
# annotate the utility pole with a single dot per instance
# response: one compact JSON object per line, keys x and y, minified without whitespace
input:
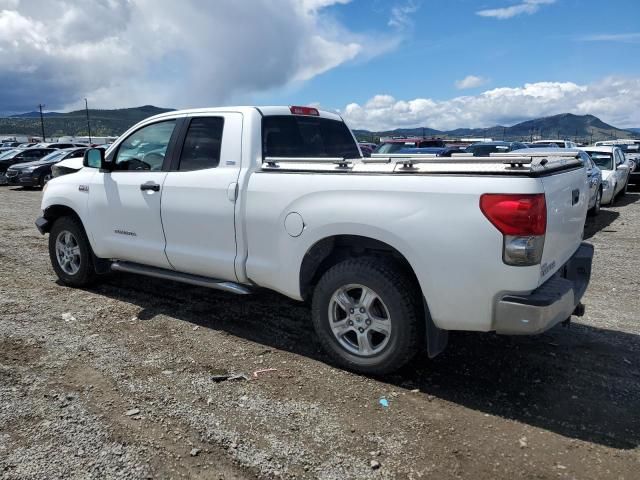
{"x":40,"y":106}
{"x":86,"y":108}
{"x":504,"y":131}
{"x":591,"y":141}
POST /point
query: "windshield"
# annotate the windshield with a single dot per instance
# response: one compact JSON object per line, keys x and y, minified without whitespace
{"x":53,"y":156}
{"x":9,"y":153}
{"x":306,"y":136}
{"x":602,"y":159}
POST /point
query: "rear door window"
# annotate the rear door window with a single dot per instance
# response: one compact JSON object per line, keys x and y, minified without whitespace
{"x":201,"y":147}
{"x":301,"y":136}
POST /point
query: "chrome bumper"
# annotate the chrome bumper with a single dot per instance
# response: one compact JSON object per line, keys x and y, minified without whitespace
{"x":551,"y":303}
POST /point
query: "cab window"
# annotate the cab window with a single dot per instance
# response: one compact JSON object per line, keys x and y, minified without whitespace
{"x":145,"y":149}
{"x":201,"y":149}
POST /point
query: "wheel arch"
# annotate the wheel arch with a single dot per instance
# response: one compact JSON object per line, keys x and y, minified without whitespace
{"x":328,"y":251}
{"x":56,"y":211}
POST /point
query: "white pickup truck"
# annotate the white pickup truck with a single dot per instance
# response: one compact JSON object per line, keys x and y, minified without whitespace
{"x":392,"y":252}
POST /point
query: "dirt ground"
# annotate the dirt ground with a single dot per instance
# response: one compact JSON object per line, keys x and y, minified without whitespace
{"x":115,"y":382}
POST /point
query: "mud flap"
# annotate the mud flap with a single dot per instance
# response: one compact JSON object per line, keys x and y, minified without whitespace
{"x":437,"y":338}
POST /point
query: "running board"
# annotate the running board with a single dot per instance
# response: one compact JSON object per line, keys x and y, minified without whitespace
{"x":197,"y":280}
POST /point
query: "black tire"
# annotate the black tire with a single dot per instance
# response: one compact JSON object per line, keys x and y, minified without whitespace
{"x":596,"y":208}
{"x":43,"y":180}
{"x":86,"y":273}
{"x":623,"y":192}
{"x":402,"y":299}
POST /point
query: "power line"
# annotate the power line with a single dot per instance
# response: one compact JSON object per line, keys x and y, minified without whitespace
{"x":41,"y":106}
{"x":86,"y":107}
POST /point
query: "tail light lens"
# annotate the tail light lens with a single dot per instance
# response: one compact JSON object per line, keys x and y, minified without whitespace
{"x":522,"y":220}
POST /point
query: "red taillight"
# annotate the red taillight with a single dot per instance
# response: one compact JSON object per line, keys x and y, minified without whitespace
{"x":516,"y":214}
{"x":305,"y":111}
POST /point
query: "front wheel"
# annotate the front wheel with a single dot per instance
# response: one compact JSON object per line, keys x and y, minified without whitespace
{"x":597,"y":205}
{"x":45,"y":179}
{"x":367,"y":313}
{"x":70,"y":253}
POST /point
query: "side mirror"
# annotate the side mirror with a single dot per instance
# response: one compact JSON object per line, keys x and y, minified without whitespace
{"x":94,"y":158}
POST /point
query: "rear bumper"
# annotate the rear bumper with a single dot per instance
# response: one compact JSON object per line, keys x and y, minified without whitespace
{"x":3,"y":178}
{"x":551,"y":303}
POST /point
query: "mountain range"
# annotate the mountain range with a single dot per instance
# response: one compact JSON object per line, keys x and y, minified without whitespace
{"x":56,"y":124}
{"x":584,"y":128}
{"x":565,"y":125}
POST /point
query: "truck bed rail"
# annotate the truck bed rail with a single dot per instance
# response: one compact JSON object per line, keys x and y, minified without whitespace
{"x":530,"y":164}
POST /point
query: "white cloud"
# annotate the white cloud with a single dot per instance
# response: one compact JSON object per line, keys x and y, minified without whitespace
{"x":470,"y":81}
{"x":401,"y":14}
{"x":164,"y":52}
{"x":613,"y":99}
{"x":612,"y":37}
{"x":528,"y":7}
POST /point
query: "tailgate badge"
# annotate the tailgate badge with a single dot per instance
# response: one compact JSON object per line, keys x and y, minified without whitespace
{"x":83,"y":188}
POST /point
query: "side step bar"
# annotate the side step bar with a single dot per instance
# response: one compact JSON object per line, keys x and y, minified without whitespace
{"x":197,"y":280}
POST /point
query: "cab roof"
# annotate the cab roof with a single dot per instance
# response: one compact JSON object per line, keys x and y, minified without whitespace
{"x":263,"y":110}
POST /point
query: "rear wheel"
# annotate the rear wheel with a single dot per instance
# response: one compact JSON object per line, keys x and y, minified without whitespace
{"x":70,"y":253}
{"x":367,"y":313}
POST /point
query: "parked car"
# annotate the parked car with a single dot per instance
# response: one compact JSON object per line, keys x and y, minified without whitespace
{"x":60,"y":145}
{"x":365,"y":149}
{"x":26,"y":145}
{"x":391,"y":259}
{"x":615,"y":170}
{"x":594,"y":174}
{"x":541,"y":145}
{"x":484,"y":149}
{"x":10,"y":144}
{"x":558,"y":143}
{"x":632,"y":153}
{"x":70,"y":165}
{"x":396,"y":144}
{"x":441,"y":152}
{"x":19,"y":155}
{"x":38,"y":173}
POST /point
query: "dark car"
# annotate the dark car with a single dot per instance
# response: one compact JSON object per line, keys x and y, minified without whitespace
{"x":485,"y":149}
{"x":36,"y":174}
{"x":20,"y":155}
{"x":397,"y":144}
{"x":440,"y":152}
{"x":60,"y":145}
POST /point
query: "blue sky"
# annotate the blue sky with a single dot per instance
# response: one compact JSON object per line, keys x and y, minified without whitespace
{"x":447,"y":41}
{"x":380,"y":63}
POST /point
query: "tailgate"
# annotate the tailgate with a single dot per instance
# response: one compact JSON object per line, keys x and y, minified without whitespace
{"x":567,"y":200}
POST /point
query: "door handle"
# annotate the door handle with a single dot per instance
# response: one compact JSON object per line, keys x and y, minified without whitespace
{"x":150,"y":186}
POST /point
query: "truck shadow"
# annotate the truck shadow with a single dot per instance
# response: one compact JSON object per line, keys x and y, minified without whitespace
{"x":595,"y":224}
{"x":580,"y":382}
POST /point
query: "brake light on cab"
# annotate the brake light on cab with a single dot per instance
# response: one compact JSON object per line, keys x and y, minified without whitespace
{"x":304,"y":111}
{"x":522,"y":220}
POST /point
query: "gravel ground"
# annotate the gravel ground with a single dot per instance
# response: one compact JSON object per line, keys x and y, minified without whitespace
{"x":115,"y":382}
